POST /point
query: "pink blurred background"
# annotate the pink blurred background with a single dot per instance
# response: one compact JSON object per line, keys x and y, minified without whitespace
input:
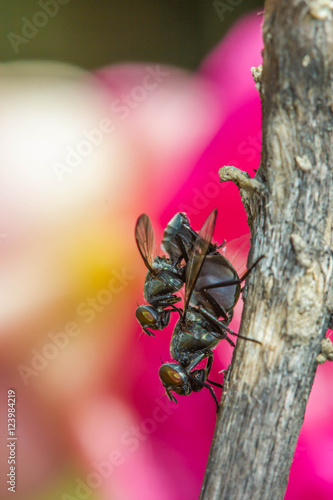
{"x":83,"y":155}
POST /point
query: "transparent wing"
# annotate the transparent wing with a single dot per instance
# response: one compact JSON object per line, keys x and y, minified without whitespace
{"x":236,"y":252}
{"x":198,"y":255}
{"x":145,"y":239}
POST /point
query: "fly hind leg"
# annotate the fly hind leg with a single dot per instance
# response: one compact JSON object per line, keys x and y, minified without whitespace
{"x":236,"y":281}
{"x":219,"y":310}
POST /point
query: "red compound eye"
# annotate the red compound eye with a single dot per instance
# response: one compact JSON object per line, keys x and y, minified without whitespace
{"x":170,"y":376}
{"x":148,"y":316}
{"x":144,"y":316}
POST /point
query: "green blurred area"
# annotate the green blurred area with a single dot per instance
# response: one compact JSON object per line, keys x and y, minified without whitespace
{"x":94,"y":33}
{"x":65,"y":486}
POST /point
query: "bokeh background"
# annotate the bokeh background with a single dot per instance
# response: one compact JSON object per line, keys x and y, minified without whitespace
{"x":110,"y":109}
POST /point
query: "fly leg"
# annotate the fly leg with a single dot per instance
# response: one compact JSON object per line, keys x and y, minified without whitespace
{"x":208,"y":368}
{"x":164,"y":298}
{"x":222,"y":245}
{"x":209,"y":365}
{"x":222,"y":328}
{"x":213,"y":395}
{"x":194,"y":363}
{"x":203,"y":384}
{"x":197,"y":360}
{"x":172,"y":308}
{"x":236,"y":281}
{"x":148,"y":332}
{"x":217,"y":308}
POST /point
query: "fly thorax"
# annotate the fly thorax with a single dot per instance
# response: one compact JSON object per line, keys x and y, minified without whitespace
{"x":178,"y":229}
{"x":159,"y":263}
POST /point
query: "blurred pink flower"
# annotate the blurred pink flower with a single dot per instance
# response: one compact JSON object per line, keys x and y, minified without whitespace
{"x":172,"y":132}
{"x":180,"y":443}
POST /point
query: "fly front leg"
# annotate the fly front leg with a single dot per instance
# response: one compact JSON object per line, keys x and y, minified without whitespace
{"x":208,"y":368}
{"x":209,"y":364}
{"x":196,"y":381}
{"x":197,"y":360}
{"x":148,"y":332}
{"x":172,"y":309}
{"x":157,"y":301}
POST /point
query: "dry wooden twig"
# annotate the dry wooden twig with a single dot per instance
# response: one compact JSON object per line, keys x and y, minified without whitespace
{"x":288,"y":298}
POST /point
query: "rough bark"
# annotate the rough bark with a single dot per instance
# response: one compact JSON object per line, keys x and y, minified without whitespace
{"x":288,"y":298}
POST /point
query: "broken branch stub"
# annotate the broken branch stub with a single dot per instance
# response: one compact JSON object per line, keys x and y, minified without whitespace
{"x":249,"y":189}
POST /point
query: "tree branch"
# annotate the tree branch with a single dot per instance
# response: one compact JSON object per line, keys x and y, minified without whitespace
{"x":288,"y":300}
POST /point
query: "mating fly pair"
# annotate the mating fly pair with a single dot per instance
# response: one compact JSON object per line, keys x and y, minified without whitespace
{"x":212,"y":288}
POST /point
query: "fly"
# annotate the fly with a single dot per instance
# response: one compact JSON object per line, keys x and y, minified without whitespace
{"x":165,"y":275}
{"x":163,"y":279}
{"x":200,"y":328}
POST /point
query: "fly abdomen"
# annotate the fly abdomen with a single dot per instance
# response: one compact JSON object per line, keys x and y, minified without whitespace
{"x":216,"y":269}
